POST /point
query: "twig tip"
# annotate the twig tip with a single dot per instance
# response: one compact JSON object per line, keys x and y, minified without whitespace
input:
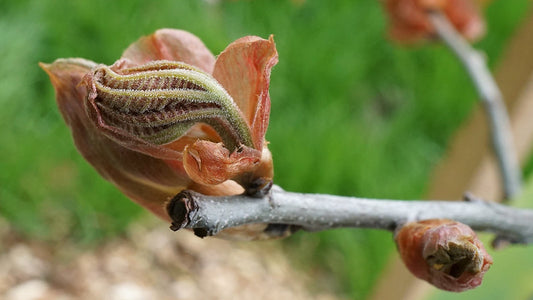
{"x":178,"y":209}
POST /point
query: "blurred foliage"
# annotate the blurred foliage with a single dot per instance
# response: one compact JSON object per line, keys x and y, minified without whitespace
{"x":352,"y":114}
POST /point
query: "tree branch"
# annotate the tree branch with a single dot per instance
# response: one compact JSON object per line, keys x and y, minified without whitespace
{"x":492,"y":99}
{"x":208,"y":215}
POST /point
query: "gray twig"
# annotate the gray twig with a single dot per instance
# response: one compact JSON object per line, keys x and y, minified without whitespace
{"x":209,"y":215}
{"x":491,"y":97}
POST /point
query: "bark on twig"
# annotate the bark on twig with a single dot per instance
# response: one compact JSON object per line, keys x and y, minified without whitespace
{"x":208,"y":215}
{"x":491,"y":97}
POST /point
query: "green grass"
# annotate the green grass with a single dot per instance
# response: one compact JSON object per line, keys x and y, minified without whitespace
{"x":352,"y":114}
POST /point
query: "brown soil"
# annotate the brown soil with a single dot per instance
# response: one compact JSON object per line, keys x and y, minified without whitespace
{"x":149,"y":262}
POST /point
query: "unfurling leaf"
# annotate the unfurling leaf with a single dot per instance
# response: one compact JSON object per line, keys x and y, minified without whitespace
{"x":159,"y":101}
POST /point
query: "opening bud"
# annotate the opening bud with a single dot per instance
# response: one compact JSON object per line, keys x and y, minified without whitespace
{"x":445,"y":253}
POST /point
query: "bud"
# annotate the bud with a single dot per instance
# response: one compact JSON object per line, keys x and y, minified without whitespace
{"x":445,"y":253}
{"x":409,"y":22}
{"x":168,"y":116}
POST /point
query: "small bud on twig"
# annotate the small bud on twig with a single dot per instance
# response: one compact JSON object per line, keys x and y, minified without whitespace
{"x":409,"y":22}
{"x":443,"y":252}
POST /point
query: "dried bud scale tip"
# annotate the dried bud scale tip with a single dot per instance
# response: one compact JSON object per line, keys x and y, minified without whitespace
{"x":445,"y":253}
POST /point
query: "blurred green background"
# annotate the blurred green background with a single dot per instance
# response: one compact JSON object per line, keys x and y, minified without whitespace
{"x":352,"y":113}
